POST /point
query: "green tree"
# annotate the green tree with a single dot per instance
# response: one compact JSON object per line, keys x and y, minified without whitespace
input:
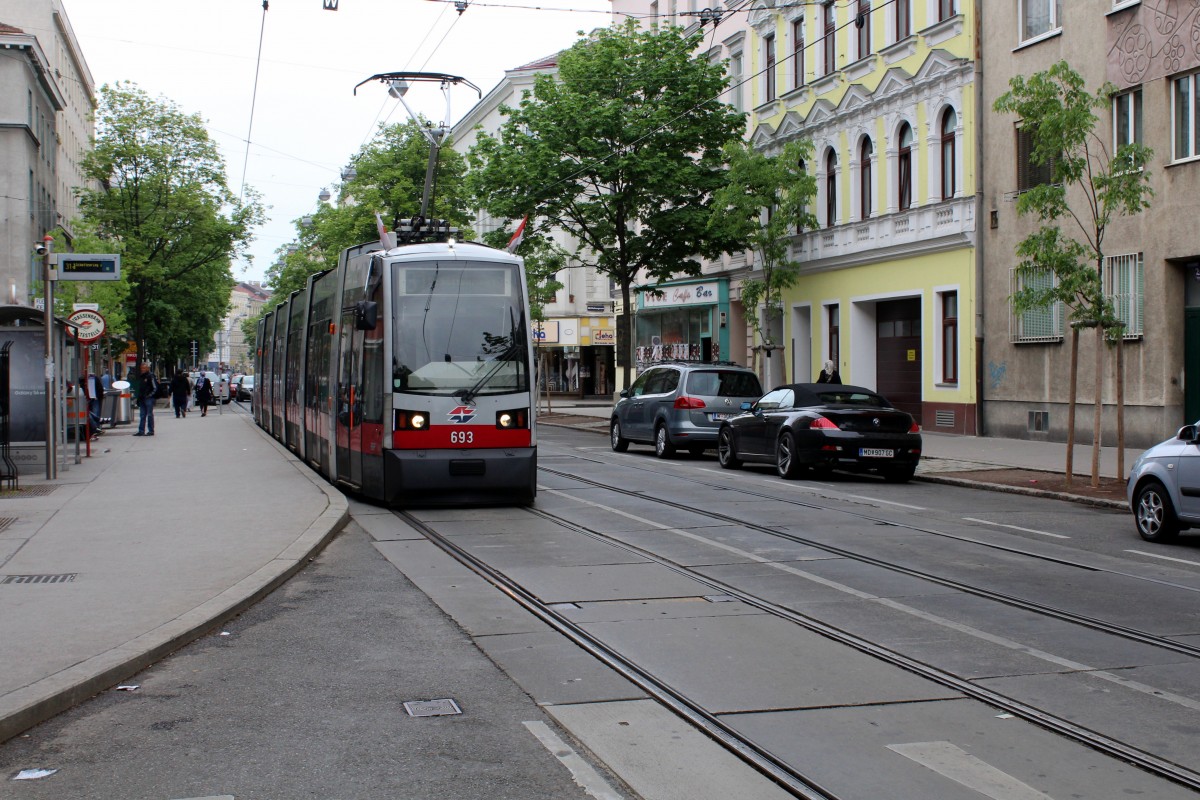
{"x":389,"y":180}
{"x":164,"y":205}
{"x":622,"y":149}
{"x":1089,"y":186}
{"x":765,"y":201}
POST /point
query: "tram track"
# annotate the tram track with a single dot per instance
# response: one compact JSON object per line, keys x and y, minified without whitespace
{"x":1102,"y":626}
{"x":753,"y":753}
{"x":762,"y":759}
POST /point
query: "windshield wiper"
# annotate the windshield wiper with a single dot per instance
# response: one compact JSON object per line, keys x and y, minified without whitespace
{"x":467,"y":395}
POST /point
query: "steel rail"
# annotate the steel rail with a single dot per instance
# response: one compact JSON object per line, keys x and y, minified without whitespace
{"x":763,"y":760}
{"x":1103,"y":626}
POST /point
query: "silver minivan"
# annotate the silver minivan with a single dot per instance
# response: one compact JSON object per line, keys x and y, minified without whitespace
{"x":680,"y":405}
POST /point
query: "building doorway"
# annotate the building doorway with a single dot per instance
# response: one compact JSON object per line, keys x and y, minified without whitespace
{"x":898,"y":354}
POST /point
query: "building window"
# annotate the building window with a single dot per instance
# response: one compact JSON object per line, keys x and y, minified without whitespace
{"x":1039,"y":17}
{"x":1030,"y":174}
{"x":945,"y":10}
{"x":904,"y":168}
{"x":903,"y":19}
{"x":797,"y":53}
{"x":769,"y":53}
{"x":949,"y":123}
{"x":1127,"y":118}
{"x":829,"y":45}
{"x":735,"y":82}
{"x":866,"y":150}
{"x":830,"y":189}
{"x":1123,"y":286}
{"x":1185,"y":121}
{"x":862,"y":22}
{"x":1038,"y":324}
{"x":949,"y":337}
{"x":835,"y":336}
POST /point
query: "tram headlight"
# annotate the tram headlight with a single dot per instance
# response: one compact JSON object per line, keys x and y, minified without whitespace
{"x":411,"y":420}
{"x":513,"y":419}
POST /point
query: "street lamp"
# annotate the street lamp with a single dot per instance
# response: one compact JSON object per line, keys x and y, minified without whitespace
{"x":324,"y":195}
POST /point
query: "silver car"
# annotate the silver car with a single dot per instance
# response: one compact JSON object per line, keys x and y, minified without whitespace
{"x":1164,"y":486}
{"x":681,"y":405}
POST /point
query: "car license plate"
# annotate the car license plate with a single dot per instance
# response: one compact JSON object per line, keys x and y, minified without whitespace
{"x":875,"y":452}
{"x":717,"y":416}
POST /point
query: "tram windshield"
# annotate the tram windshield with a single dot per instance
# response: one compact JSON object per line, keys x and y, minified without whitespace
{"x":460,"y":329}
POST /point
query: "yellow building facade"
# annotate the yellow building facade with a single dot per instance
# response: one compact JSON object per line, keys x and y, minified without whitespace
{"x":886,"y":94}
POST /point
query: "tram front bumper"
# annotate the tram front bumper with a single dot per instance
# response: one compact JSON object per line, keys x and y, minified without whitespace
{"x":451,"y":477}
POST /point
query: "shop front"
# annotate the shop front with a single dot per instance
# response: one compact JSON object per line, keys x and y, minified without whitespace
{"x":682,"y":322}
{"x":575,"y":355}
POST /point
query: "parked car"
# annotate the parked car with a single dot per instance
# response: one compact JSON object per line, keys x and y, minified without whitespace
{"x":244,"y":388}
{"x":823,"y":426}
{"x":1164,"y":486}
{"x":680,"y":405}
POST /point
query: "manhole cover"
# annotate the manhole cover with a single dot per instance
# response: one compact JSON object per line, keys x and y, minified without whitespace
{"x":66,"y":577}
{"x":28,"y":491}
{"x":432,"y":708}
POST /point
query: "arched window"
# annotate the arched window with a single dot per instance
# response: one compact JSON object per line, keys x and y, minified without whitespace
{"x":865,"y":151}
{"x":904,"y":168}
{"x":830,"y":189}
{"x":949,"y":123}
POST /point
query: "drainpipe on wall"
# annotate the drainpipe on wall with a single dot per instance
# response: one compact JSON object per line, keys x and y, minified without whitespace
{"x":979,"y":212}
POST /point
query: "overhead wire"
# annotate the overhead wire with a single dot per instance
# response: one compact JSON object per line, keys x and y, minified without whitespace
{"x":253,"y":100}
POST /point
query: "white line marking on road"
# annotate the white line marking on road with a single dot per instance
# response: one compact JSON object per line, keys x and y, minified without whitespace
{"x":961,"y":767}
{"x":1165,"y":558}
{"x":1016,"y":528}
{"x":581,"y":771}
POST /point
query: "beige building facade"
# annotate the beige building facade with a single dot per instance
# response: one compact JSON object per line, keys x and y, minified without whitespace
{"x":1149,"y":50}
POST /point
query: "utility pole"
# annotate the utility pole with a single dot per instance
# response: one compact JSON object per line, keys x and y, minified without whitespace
{"x":47,"y":244}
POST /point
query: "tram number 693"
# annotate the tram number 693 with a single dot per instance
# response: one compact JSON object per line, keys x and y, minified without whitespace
{"x":462,"y":437}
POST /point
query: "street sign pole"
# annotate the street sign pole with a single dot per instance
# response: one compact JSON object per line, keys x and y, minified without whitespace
{"x":47,"y":243}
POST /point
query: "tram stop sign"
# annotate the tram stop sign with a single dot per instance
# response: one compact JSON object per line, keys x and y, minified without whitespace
{"x":89,"y":325}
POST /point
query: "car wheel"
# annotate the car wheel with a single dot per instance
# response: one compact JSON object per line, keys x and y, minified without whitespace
{"x":619,"y":443}
{"x":787,"y":465}
{"x":662,"y":443}
{"x":1153,"y":514}
{"x":900,"y":474}
{"x":726,"y":454}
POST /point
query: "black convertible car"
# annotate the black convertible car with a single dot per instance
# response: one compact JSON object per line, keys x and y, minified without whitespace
{"x":822,"y":426}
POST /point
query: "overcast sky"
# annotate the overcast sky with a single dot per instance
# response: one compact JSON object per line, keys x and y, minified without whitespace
{"x":306,"y":121}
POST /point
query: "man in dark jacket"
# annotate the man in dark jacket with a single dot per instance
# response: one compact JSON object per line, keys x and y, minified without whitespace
{"x":181,"y":390}
{"x":147,"y":388}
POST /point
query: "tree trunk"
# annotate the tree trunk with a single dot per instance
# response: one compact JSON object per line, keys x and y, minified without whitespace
{"x":1071,"y":406}
{"x":1096,"y":417}
{"x":625,"y":331}
{"x":1121,"y":406}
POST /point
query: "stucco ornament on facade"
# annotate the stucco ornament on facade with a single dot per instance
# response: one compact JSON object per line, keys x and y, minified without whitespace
{"x":1153,"y":40}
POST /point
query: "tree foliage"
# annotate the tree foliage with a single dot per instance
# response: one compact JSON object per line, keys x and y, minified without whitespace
{"x":164,"y":205}
{"x":621,"y":149}
{"x":1089,"y":186}
{"x":764,"y":203}
{"x":389,"y":180}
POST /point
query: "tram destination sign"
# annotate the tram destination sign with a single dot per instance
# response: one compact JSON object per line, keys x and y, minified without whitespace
{"x":89,"y":266}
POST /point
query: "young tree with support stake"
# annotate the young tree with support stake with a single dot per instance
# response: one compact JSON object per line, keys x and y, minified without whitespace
{"x":765,"y":202}
{"x":621,"y":149}
{"x":1089,"y":185}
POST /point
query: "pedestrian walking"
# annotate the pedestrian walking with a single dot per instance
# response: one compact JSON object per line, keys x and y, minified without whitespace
{"x":829,"y":374}
{"x":147,"y":389}
{"x":204,"y":393}
{"x":181,"y":389}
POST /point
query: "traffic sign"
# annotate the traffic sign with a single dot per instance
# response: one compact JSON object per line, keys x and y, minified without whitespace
{"x":89,"y":325}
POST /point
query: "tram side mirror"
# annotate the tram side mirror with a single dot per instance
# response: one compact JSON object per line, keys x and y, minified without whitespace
{"x":366,"y":315}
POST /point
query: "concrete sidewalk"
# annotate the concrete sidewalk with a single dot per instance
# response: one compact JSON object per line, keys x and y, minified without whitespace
{"x":142,"y":548}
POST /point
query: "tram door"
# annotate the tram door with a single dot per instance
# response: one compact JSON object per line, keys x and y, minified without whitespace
{"x":349,"y":402}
